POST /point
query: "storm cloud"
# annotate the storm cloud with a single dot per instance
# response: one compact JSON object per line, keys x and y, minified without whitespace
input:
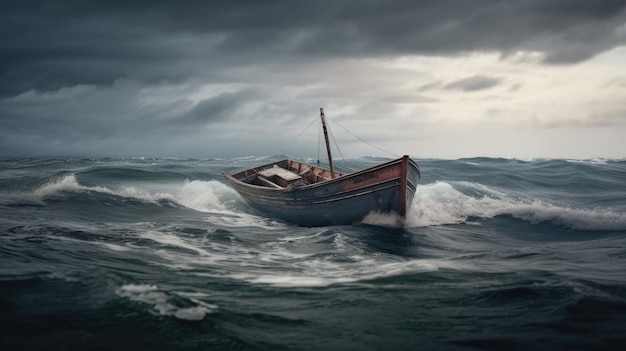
{"x":51,"y":45}
{"x":115,"y":70}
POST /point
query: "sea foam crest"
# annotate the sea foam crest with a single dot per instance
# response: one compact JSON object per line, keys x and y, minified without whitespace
{"x":441,"y":203}
{"x":221,"y":201}
{"x":211,"y":197}
{"x":51,"y":188}
{"x":206,"y":196}
{"x":69,"y":183}
{"x":321,"y":272}
{"x":163,"y":302}
{"x":202,"y":196}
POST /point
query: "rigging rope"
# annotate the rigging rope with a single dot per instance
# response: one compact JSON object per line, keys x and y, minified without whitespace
{"x":319,"y":138}
{"x":361,"y":140}
{"x":304,"y":130}
{"x":336,"y":145}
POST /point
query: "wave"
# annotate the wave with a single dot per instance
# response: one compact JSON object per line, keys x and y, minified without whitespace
{"x":57,"y":186}
{"x":441,"y":203}
{"x":211,"y":197}
{"x":198,"y":195}
{"x":286,"y":262}
{"x":597,"y":160}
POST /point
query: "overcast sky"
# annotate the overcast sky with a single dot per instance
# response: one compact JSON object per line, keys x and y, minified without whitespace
{"x":204,"y":79}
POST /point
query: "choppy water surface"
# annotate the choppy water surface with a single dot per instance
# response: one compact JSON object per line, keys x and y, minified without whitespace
{"x":131,"y":254}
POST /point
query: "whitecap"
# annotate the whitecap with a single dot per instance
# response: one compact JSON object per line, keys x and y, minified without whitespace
{"x":440,"y":204}
{"x":172,"y":241}
{"x":211,"y":197}
{"x":321,"y":273}
{"x":161,"y":302}
{"x":37,"y":196}
{"x":392,"y":220}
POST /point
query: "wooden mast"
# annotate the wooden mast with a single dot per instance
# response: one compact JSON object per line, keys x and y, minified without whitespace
{"x":330,"y":157}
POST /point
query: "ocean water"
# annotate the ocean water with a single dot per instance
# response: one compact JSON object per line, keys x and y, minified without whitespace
{"x":161,"y":254}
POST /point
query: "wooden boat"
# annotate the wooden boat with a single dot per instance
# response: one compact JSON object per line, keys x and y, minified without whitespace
{"x":310,"y":195}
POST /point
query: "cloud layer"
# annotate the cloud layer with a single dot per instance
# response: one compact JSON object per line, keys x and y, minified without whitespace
{"x":111,"y":73}
{"x":49,"y":46}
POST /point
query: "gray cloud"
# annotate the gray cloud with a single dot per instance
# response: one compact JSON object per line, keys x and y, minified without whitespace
{"x":47,"y":46}
{"x":474,"y":83}
{"x":163,"y":78}
{"x":221,"y":107}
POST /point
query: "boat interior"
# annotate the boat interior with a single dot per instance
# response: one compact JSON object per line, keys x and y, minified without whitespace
{"x":285,"y":174}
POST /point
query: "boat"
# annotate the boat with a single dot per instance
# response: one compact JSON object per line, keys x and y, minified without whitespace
{"x":312,"y":196}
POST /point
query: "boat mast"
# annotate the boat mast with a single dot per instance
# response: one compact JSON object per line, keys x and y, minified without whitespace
{"x":330,"y":157}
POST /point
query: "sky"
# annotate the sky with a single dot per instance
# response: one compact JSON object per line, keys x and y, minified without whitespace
{"x":220,"y":79}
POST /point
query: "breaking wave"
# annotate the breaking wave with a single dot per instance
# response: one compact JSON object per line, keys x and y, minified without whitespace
{"x":437,"y":203}
{"x":211,"y":197}
{"x":441,"y":203}
{"x":198,"y":195}
{"x":53,"y":187}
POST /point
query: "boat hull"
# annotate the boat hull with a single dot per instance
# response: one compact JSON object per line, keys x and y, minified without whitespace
{"x":387,"y":188}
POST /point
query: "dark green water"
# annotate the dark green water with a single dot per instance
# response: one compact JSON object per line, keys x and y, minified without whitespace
{"x":161,"y":254}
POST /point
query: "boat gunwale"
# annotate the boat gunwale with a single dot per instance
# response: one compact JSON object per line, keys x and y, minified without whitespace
{"x":230,"y":176}
{"x":372,"y":188}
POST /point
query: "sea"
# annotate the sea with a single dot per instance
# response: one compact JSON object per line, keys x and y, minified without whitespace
{"x":162,"y":254}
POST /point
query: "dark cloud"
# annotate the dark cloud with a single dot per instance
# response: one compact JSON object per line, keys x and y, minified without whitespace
{"x":48,"y":45}
{"x":221,"y":107}
{"x":159,"y":77}
{"x":474,"y":83}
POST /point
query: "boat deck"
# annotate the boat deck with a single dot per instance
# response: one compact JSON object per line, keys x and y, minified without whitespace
{"x":285,"y":174}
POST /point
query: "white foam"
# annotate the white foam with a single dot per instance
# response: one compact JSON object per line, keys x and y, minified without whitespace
{"x":144,"y":196}
{"x":297,"y":280}
{"x":282,"y":262}
{"x":37,"y":196}
{"x":383,"y":219}
{"x":275,"y":253}
{"x":211,"y":197}
{"x":319,"y":273}
{"x":220,"y":201}
{"x":594,"y":161}
{"x":67,"y":183}
{"x":241,"y":219}
{"x":191,"y":313}
{"x":339,"y":242}
{"x":160,"y":301}
{"x":64,"y":276}
{"x":134,"y":290}
{"x":172,"y":240}
{"x":440,"y":204}
{"x":303,"y":237}
{"x":579,"y":219}
{"x":114,"y":247}
{"x":205,"y":196}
